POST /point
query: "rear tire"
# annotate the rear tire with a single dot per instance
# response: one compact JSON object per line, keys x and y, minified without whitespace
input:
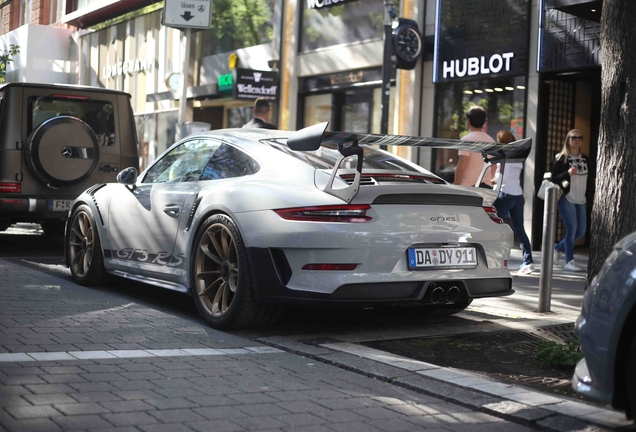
{"x":220,"y":278}
{"x":84,"y":250}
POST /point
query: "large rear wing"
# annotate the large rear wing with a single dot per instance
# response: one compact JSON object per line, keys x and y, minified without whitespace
{"x":312,"y":137}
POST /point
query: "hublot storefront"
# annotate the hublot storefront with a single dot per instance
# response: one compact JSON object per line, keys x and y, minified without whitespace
{"x":481,"y":58}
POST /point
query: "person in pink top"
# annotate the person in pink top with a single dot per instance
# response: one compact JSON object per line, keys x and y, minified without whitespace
{"x":470,"y":164}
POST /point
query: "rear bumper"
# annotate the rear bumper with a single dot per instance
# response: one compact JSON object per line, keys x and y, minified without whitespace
{"x":26,"y":209}
{"x":271,"y":273}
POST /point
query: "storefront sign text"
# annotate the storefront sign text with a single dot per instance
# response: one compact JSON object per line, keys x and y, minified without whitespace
{"x":347,"y":78}
{"x":477,"y":65}
{"x":225,"y":83}
{"x":319,"y":4}
{"x":128,"y":67}
{"x":253,"y":84}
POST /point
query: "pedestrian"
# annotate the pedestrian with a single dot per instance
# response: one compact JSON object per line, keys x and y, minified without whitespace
{"x":470,"y":164}
{"x":260,"y":114}
{"x":569,"y":171}
{"x":510,"y":202}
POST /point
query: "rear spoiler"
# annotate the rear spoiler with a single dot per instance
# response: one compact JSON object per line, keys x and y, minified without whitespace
{"x":312,"y":137}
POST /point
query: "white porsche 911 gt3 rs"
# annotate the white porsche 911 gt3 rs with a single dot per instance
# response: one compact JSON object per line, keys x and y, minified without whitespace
{"x":249,"y":220}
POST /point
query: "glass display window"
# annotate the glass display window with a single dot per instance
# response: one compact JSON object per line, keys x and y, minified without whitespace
{"x":502,"y":99}
{"x":317,"y":109}
{"x":239,"y":24}
{"x":346,"y":23}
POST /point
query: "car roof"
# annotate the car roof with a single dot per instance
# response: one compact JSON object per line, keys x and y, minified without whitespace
{"x":62,"y":86}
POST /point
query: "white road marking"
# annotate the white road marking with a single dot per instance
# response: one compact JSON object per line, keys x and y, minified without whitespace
{"x":97,"y":355}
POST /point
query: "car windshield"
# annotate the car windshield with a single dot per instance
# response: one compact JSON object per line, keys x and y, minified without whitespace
{"x":327,"y":155}
{"x":99,"y":115}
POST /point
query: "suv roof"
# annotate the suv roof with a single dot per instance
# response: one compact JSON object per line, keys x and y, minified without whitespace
{"x":61,"y":86}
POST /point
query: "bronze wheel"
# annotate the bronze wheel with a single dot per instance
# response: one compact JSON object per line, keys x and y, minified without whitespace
{"x":84,"y":254}
{"x":220,"y":277}
{"x":217,"y":270}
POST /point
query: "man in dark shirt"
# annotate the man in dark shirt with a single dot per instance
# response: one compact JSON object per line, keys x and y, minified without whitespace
{"x":261,"y":112}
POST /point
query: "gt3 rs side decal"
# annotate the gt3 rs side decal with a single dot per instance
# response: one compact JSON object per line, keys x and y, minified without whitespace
{"x":143,"y":256}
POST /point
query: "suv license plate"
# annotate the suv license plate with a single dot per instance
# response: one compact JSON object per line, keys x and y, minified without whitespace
{"x":60,"y":205}
{"x":442,"y":257}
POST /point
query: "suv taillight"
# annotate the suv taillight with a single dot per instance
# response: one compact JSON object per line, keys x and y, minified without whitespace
{"x":492,"y":214}
{"x":9,"y":187}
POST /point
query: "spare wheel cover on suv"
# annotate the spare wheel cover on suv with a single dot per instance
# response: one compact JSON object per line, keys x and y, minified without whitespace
{"x":63,"y":150}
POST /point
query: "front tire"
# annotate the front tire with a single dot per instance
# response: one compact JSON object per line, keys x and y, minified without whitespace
{"x":220,"y":279}
{"x":84,"y":251}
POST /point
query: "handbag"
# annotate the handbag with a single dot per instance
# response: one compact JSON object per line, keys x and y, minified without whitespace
{"x":547,"y":183}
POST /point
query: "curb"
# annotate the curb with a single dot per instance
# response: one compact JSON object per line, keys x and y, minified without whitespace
{"x":509,"y":402}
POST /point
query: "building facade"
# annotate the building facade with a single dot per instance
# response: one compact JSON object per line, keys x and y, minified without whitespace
{"x":534,"y":65}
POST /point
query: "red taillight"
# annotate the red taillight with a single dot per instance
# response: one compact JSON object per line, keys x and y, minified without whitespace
{"x":492,"y":214}
{"x":330,"y":266}
{"x":10,"y":187}
{"x":340,"y":213}
{"x":505,"y":263}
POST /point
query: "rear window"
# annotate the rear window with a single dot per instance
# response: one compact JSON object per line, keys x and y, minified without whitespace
{"x":99,"y":115}
{"x":327,"y":155}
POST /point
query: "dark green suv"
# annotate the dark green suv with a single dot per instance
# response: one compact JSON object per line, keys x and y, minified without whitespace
{"x":56,"y":141}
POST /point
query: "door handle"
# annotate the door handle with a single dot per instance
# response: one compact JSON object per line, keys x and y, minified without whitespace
{"x":172,"y":210}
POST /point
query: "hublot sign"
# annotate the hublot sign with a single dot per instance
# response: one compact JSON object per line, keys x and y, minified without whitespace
{"x":481,"y":39}
{"x":319,"y":4}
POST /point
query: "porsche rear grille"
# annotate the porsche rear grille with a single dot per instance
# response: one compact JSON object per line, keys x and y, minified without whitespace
{"x":364,"y":180}
{"x":429,"y":199}
{"x":379,"y":291}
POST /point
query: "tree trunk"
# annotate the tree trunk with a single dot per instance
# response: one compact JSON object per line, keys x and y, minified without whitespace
{"x":614,"y":210}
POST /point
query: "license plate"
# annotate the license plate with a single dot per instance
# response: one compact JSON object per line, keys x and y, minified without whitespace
{"x":60,"y":205}
{"x":442,"y":257}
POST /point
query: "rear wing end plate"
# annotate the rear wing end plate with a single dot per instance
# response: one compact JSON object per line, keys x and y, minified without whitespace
{"x":348,"y":144}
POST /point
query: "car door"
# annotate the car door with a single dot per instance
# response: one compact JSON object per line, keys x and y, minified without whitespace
{"x":143,"y":224}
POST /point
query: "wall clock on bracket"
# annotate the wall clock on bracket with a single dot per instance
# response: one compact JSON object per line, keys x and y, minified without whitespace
{"x":407,"y":43}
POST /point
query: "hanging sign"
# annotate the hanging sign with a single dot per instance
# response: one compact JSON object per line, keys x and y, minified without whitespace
{"x":183,"y":14}
{"x":254,"y":84}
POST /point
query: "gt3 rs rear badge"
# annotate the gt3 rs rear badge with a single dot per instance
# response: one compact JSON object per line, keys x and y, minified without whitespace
{"x":443,"y":219}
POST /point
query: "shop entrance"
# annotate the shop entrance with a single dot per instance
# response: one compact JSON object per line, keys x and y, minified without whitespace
{"x":350,"y":110}
{"x":567,"y":101}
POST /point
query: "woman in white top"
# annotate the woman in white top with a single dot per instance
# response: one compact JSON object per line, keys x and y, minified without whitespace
{"x":510,"y":202}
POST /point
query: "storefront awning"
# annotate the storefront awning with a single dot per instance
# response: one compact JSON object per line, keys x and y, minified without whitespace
{"x":191,"y":93}
{"x":587,"y":9}
{"x":101,"y":11}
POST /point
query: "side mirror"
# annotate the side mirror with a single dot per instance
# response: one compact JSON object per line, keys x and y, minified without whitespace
{"x":127,"y":176}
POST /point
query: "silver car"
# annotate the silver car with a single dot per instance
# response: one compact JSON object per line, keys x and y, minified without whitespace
{"x":607,"y":332}
{"x":248,"y":220}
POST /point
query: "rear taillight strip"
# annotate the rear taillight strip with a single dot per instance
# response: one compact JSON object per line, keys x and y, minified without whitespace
{"x":341,"y":213}
{"x":492,"y":214}
{"x":10,"y":187}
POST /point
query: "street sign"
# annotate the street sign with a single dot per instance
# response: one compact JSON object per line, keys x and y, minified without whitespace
{"x":184,"y":14}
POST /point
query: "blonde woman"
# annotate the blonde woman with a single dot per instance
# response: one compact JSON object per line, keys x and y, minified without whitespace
{"x":569,"y":171}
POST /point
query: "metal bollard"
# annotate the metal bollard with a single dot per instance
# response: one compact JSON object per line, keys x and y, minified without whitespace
{"x":547,"y":249}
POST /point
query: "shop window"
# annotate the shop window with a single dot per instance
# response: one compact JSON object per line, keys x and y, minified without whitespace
{"x":342,"y":24}
{"x":503,"y":100}
{"x":317,"y":109}
{"x":239,"y":24}
{"x":25,"y":12}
